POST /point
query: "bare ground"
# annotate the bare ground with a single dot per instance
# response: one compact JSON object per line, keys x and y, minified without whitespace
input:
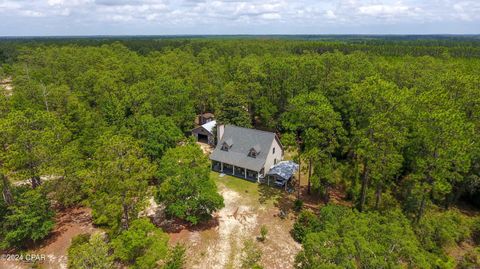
{"x":207,"y":149}
{"x":69,"y":223}
{"x":6,"y":84}
{"x":244,"y":213}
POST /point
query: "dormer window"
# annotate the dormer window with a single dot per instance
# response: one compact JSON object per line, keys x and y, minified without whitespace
{"x":225,"y":147}
{"x":227,"y":144}
{"x":254,"y":151}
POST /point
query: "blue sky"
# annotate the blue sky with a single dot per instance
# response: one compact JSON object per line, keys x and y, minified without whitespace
{"x":169,"y":17}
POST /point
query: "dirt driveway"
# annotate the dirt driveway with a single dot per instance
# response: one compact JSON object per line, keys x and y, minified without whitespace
{"x":248,"y":206}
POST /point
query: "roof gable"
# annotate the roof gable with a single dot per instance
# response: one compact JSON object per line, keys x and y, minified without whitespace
{"x":209,"y":126}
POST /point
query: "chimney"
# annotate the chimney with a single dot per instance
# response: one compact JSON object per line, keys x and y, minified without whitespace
{"x":220,"y":131}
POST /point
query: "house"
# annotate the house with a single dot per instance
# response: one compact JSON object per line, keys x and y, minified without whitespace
{"x":205,"y":133}
{"x":245,"y":153}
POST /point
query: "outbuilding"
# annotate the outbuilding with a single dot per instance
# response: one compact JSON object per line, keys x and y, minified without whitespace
{"x":205,"y":133}
{"x":281,"y":173}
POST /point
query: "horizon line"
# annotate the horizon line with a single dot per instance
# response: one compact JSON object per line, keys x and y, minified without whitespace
{"x":232,"y":35}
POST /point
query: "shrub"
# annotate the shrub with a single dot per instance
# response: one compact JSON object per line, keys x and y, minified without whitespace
{"x":297,"y":206}
{"x":251,"y":255}
{"x":89,"y":252}
{"x":80,"y":239}
{"x":471,"y":259}
{"x":476,"y":231}
{"x":263,"y":233}
{"x":307,"y":222}
{"x":438,"y":230}
{"x":142,"y":245}
{"x":175,"y":258}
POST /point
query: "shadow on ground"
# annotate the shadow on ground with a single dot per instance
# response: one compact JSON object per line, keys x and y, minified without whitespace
{"x":279,"y":197}
{"x":177,"y":225}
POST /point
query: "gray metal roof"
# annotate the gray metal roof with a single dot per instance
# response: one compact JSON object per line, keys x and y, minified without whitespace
{"x":284,"y":169}
{"x":228,"y":142}
{"x":242,"y":141}
{"x":209,"y":126}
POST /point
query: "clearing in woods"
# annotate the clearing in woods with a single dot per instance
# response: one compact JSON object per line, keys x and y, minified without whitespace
{"x":248,"y":206}
{"x":218,"y":244}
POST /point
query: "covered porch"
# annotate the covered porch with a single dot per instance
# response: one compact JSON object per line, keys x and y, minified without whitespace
{"x":235,"y":171}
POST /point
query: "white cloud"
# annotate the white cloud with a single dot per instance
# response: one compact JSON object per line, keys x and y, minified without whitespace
{"x":330,"y":14}
{"x":271,"y":16}
{"x":32,"y":13}
{"x":230,"y":16}
{"x":382,"y":10}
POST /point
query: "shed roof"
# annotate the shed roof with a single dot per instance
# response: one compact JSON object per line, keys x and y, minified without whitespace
{"x":242,"y":140}
{"x":285,"y":169}
{"x":209,"y":126}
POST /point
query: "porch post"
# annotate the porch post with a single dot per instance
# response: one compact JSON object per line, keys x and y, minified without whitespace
{"x":221,"y":167}
{"x":233,"y":171}
{"x":245,"y":173}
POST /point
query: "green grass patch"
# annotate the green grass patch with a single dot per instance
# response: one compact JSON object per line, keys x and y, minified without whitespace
{"x":236,"y":184}
{"x":259,"y":194}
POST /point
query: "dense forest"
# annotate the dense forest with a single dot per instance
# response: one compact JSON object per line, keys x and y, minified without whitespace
{"x":103,"y":123}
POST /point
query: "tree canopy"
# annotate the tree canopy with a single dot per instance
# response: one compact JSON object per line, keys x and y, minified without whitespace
{"x":389,"y":125}
{"x":186,"y":188}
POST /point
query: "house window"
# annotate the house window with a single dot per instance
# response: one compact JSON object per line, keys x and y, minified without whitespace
{"x":273,"y":150}
{"x":275,"y":161}
{"x":225,"y":147}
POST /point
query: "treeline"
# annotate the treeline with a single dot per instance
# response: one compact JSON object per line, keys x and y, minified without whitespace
{"x":455,"y":46}
{"x":106,"y":123}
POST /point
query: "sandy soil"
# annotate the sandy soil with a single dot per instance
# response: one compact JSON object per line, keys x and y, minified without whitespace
{"x":29,"y":182}
{"x":70,"y":223}
{"x":6,"y":84}
{"x":207,"y":149}
{"x":241,"y":218}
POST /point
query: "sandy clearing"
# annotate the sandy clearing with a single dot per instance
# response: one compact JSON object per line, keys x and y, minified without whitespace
{"x":6,"y":84}
{"x":220,"y":246}
{"x":279,"y":249}
{"x":236,"y":221}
